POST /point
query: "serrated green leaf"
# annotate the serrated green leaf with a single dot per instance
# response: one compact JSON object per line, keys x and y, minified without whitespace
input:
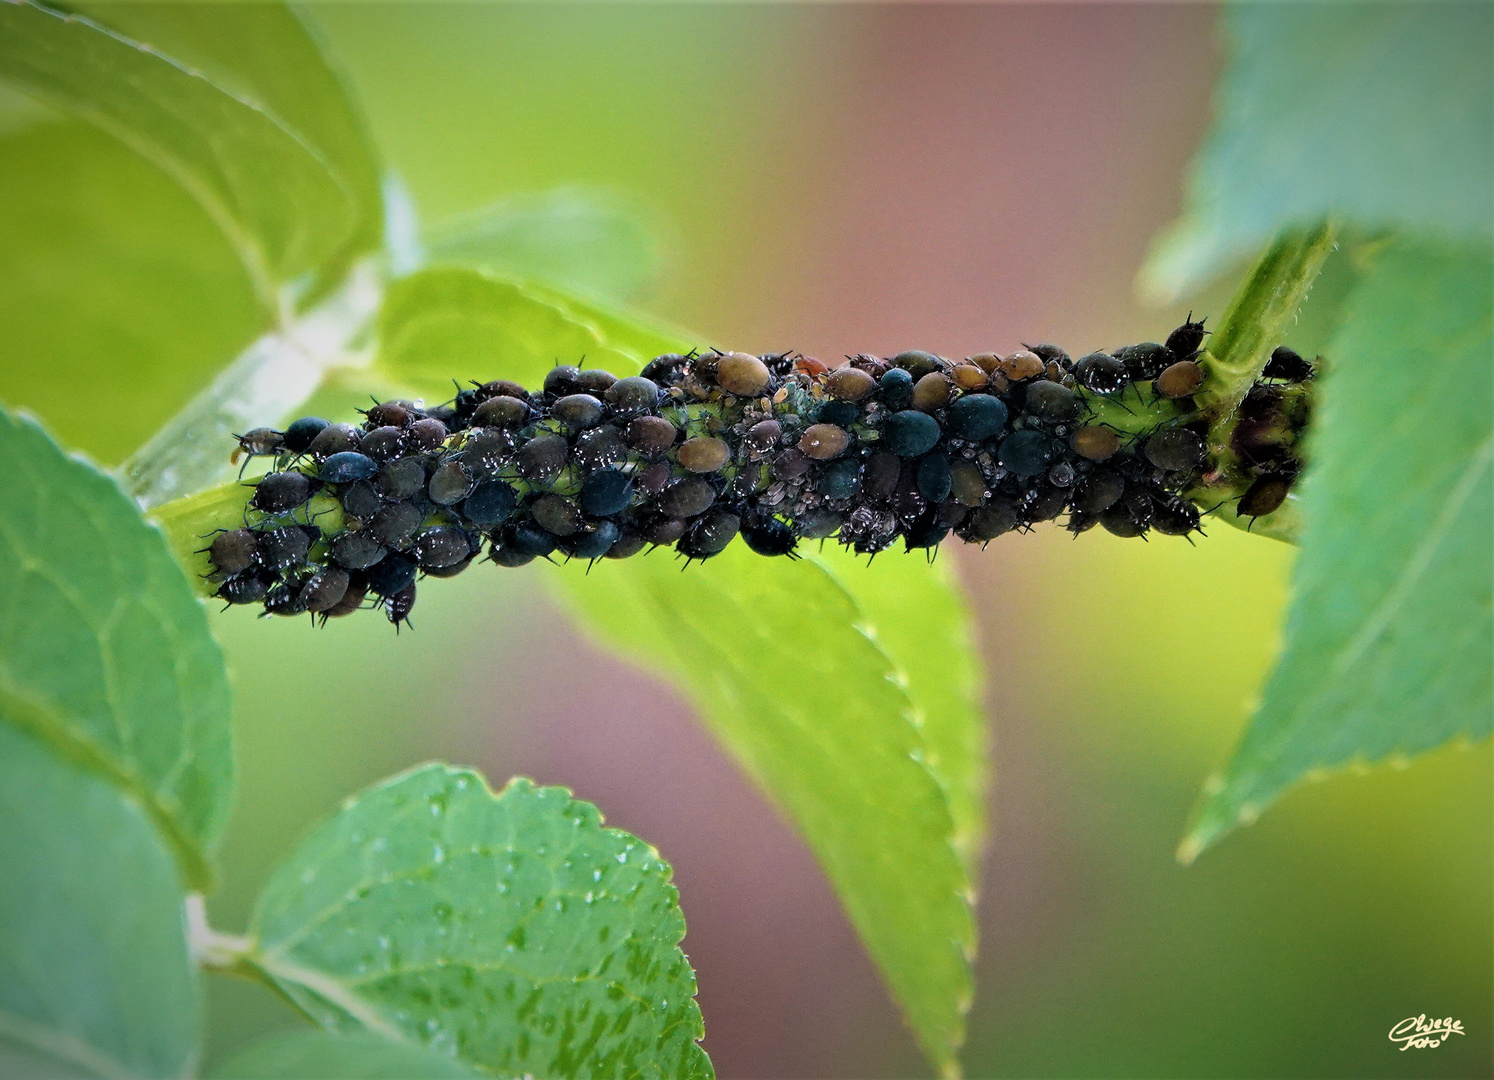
{"x":512,"y":931}
{"x":105,"y":652}
{"x":1389,"y":646}
{"x":292,"y":1055}
{"x":916,"y":613}
{"x":577,"y":237}
{"x":914,"y":693}
{"x":284,"y":203}
{"x":95,"y":980}
{"x":451,"y":323}
{"x":784,"y":669}
{"x":1380,"y":113}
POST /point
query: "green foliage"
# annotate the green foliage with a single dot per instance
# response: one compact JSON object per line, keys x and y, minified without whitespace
{"x":915,"y":612}
{"x":292,"y":1055}
{"x":786,"y":670}
{"x":1390,"y":645}
{"x":265,"y":55}
{"x":116,"y":277}
{"x":581,"y":239}
{"x":283,"y":203}
{"x":1378,"y":117}
{"x":1379,"y":113}
{"x":94,"y":974}
{"x":871,"y":736}
{"x":451,"y":322}
{"x":105,"y":651}
{"x":512,"y":931}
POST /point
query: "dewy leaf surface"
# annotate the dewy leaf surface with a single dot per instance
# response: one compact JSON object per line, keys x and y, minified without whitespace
{"x":1382,"y":113}
{"x":1389,"y":645}
{"x":775,"y":656}
{"x":882,"y":769}
{"x":284,"y":203}
{"x":105,"y":652}
{"x":511,"y":931}
{"x":95,"y":979}
{"x":293,"y":1055}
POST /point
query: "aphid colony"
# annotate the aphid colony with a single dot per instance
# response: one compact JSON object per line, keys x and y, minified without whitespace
{"x":699,"y":449}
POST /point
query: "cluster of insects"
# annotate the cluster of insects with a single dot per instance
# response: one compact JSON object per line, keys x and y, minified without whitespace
{"x":699,"y":449}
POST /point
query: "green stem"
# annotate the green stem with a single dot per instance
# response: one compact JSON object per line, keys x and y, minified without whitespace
{"x":1257,"y":320}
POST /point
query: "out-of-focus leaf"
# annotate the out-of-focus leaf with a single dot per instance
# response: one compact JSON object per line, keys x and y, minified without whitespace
{"x":118,"y":295}
{"x":1379,"y":113}
{"x":105,"y":652}
{"x":785,"y":670}
{"x":287,"y":207}
{"x":1389,"y":645}
{"x":267,"y":54}
{"x":577,"y":237}
{"x":95,"y":980}
{"x":512,"y":931}
{"x":294,"y":1055}
{"x":456,"y":323}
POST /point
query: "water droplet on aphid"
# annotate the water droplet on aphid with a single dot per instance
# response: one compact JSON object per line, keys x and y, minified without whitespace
{"x":596,"y":875}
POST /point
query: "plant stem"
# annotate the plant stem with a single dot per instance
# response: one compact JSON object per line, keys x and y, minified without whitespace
{"x":1256,"y":322}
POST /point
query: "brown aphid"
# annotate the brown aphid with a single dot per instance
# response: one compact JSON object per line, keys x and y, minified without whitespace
{"x":986,"y":361}
{"x":763,"y":436}
{"x":822,"y":442}
{"x":325,"y":589}
{"x":388,"y":414}
{"x":1095,"y":443}
{"x":966,"y":483}
{"x":654,"y":479}
{"x":1264,"y":496}
{"x":504,"y":388}
{"x":500,"y":412}
{"x":812,"y":366}
{"x":932,"y":392}
{"x":687,"y":497}
{"x":1174,"y":449}
{"x":742,"y":374}
{"x":427,"y":434}
{"x":664,"y":530}
{"x":850,"y":384}
{"x":968,"y":377}
{"x":352,"y":600}
{"x":1179,"y":380}
{"x":1021,"y":365}
{"x":541,"y":458}
{"x":556,"y":514}
{"x":703,"y":454}
{"x":651,"y":434}
{"x":790,"y":465}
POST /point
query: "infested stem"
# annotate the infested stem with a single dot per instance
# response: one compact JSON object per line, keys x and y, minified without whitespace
{"x":1257,"y":320}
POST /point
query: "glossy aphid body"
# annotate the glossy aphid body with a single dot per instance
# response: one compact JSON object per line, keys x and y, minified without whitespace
{"x":700,"y":448}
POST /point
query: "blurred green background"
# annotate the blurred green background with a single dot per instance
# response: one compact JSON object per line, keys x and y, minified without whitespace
{"x":833,"y":179}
